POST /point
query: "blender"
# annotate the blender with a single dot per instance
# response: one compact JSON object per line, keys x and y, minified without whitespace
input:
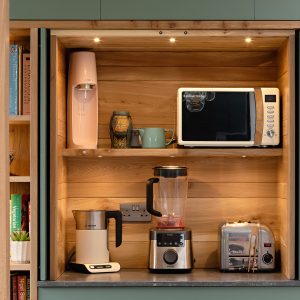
{"x":170,"y":241}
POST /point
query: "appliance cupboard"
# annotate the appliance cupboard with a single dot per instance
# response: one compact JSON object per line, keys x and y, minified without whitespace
{"x":140,"y":71}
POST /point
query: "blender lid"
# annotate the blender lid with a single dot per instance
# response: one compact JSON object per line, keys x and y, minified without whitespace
{"x":170,"y":171}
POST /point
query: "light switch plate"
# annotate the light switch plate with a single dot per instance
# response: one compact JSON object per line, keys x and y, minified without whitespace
{"x":135,"y":212}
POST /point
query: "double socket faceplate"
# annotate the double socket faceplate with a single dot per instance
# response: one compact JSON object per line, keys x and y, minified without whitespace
{"x":135,"y":212}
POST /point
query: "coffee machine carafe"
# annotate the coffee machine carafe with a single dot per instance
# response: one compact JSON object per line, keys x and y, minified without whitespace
{"x":170,"y":241}
{"x":92,"y":255}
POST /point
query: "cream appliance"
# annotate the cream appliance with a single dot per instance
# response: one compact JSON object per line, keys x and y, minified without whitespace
{"x":170,"y":242}
{"x":82,"y":101}
{"x":228,"y":117}
{"x":247,"y":247}
{"x":92,"y":255}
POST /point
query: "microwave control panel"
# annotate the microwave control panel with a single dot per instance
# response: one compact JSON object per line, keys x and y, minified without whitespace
{"x":271,"y":108}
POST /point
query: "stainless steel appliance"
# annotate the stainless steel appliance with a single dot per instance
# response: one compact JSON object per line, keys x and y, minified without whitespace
{"x":228,"y":117}
{"x":170,"y":241}
{"x":247,"y":247}
{"x":92,"y":255}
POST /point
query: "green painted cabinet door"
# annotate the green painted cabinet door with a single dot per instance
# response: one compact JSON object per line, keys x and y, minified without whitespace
{"x":277,"y":10}
{"x":54,"y":10}
{"x":177,"y":10}
{"x":171,"y":293}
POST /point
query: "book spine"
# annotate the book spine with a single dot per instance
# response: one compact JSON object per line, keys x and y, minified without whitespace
{"x":20,"y":81}
{"x":14,"y":288}
{"x":15,"y":212}
{"x":13,"y":80}
{"x":21,"y":287}
{"x":25,"y":213}
{"x":29,"y":219}
{"x":26,"y":84}
{"x":28,"y":287}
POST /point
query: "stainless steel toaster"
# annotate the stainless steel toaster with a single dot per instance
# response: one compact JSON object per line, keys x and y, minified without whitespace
{"x":246,"y":247}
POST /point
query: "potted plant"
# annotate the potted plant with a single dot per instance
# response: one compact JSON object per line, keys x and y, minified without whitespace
{"x":20,"y":247}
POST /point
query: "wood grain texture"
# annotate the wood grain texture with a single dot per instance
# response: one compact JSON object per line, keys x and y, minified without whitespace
{"x":57,"y":173}
{"x":153,"y":40}
{"x":19,"y":142}
{"x":188,"y":59}
{"x":286,"y":83}
{"x":4,"y":136}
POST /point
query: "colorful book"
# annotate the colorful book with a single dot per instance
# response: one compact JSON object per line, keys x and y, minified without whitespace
{"x":25,"y":213}
{"x":16,"y":212}
{"x":13,"y":80}
{"x":20,"y":81}
{"x":26,"y":84}
{"x":22,"y":283}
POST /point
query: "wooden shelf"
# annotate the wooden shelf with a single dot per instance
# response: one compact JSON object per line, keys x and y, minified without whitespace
{"x":245,"y":152}
{"x":19,"y":178}
{"x":22,"y":120}
{"x":19,"y":267}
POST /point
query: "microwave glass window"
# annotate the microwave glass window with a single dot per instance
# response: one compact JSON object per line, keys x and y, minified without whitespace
{"x":219,"y":116}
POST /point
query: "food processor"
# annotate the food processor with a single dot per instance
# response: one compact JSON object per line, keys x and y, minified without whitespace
{"x":170,"y":241}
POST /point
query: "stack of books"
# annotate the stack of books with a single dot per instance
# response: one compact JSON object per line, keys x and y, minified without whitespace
{"x":20,"y":213}
{"x":19,"y":81}
{"x":20,"y":286}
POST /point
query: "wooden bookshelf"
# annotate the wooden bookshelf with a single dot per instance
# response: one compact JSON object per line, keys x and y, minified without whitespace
{"x":19,"y":267}
{"x":22,"y":119}
{"x":19,"y":178}
{"x":23,"y":133}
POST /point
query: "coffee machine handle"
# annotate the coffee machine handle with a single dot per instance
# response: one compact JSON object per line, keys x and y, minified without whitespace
{"x":150,"y":209}
{"x":117,"y":215}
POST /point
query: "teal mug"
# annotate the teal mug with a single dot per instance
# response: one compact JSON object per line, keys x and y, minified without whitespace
{"x":155,"y":137}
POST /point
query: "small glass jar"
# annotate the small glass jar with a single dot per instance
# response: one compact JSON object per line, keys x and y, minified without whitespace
{"x":120,"y":129}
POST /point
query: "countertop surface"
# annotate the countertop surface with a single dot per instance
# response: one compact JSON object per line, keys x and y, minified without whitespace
{"x":141,"y":277}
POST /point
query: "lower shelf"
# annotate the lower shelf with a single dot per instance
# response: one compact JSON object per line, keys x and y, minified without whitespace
{"x":19,"y":267}
{"x":141,"y":277}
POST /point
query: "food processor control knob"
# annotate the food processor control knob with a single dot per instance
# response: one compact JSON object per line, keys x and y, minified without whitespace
{"x":270,"y":133}
{"x":267,"y":258}
{"x":170,"y":257}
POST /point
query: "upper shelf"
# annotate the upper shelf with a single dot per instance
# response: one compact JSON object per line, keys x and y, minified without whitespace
{"x":203,"y":152}
{"x":21,"y":119}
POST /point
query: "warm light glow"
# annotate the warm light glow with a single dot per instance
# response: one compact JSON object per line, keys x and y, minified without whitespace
{"x":100,"y":156}
{"x":248,"y":40}
{"x":96,"y":40}
{"x":172,"y":40}
{"x":244,"y":156}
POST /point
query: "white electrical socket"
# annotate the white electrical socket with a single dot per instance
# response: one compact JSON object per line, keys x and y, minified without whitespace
{"x":135,"y":212}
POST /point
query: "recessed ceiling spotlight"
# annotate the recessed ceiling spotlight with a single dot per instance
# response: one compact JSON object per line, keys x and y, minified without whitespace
{"x":172,"y":40}
{"x":248,"y":40}
{"x":96,"y":40}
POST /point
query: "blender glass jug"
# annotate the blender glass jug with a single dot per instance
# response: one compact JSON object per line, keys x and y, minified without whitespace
{"x":168,"y":191}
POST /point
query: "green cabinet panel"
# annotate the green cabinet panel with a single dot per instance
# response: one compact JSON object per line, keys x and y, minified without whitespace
{"x":177,"y":10}
{"x":54,"y":10}
{"x":171,"y":293}
{"x":277,"y":10}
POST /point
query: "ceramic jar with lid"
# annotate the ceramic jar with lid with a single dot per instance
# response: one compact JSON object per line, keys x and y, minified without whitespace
{"x":120,"y":129}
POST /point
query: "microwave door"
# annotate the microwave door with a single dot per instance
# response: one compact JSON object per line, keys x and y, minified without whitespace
{"x":227,"y":119}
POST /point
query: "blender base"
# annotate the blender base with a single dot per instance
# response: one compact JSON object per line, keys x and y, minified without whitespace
{"x":170,"y":251}
{"x":170,"y":271}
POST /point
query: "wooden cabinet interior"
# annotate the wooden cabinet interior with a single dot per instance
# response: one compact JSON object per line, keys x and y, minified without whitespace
{"x":140,"y":71}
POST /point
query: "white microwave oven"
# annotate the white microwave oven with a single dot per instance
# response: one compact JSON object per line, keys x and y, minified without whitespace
{"x":228,"y":117}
